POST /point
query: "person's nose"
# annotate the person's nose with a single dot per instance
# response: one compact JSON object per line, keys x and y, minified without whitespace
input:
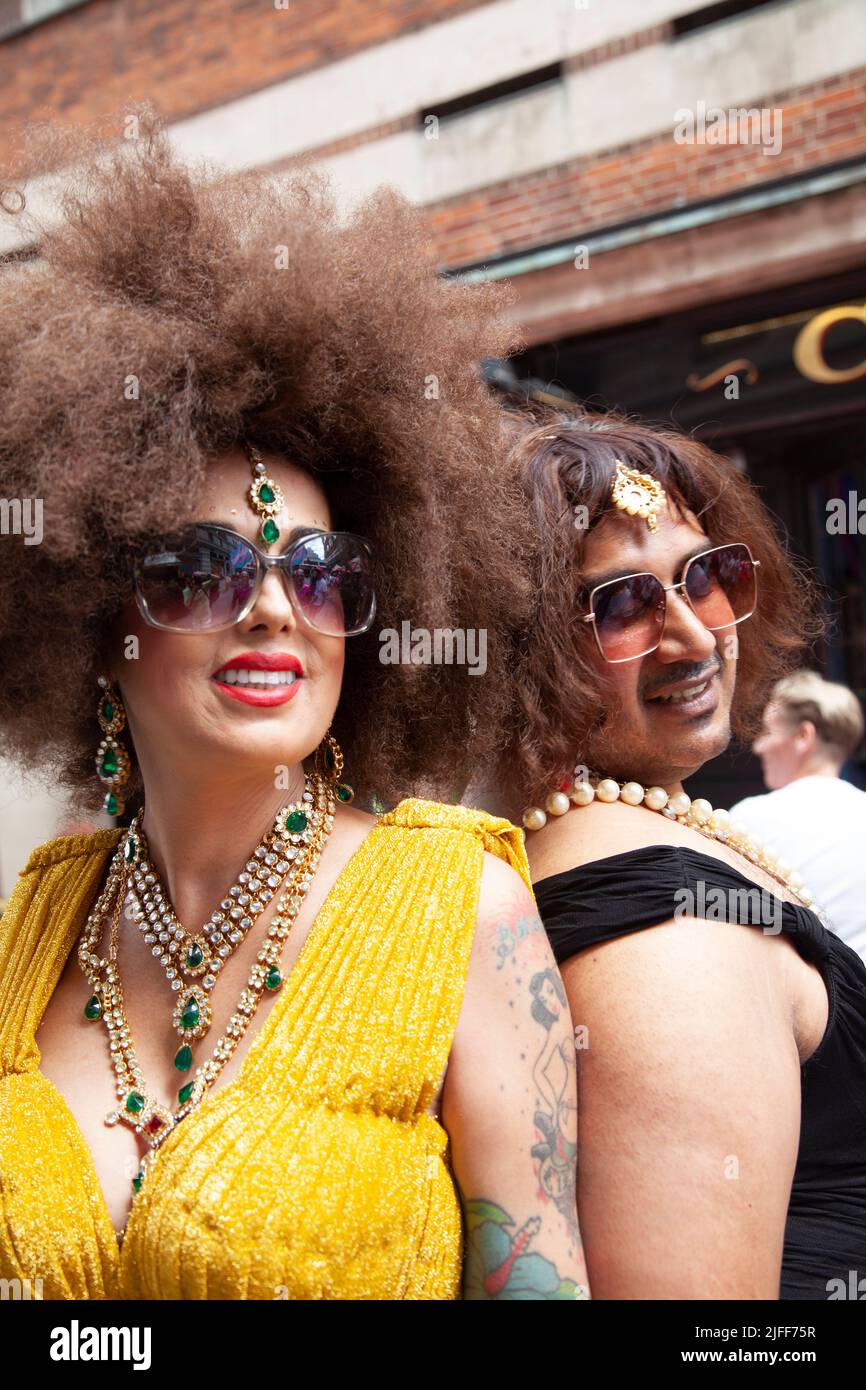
{"x":273,"y":608}
{"x":684,"y":637}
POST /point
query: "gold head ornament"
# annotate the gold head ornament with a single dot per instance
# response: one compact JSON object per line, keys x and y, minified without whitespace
{"x":637,"y":493}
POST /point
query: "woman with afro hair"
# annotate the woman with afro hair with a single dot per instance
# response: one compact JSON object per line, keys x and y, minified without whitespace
{"x":255,"y":1041}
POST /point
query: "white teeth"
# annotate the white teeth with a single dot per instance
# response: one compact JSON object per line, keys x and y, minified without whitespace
{"x":682,"y":695}
{"x":241,"y":676}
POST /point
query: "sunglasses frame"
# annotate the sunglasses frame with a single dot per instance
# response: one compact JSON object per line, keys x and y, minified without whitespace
{"x":264,"y":563}
{"x":590,"y":617}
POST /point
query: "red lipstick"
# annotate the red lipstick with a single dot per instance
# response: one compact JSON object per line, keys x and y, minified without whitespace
{"x":249,"y":694}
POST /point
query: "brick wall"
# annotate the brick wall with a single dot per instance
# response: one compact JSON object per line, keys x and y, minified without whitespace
{"x":643,"y":38}
{"x":821,"y":125}
{"x":185,"y":57}
{"x":84,"y":64}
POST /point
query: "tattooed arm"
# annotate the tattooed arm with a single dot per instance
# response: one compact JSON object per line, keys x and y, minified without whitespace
{"x":509,"y":1104}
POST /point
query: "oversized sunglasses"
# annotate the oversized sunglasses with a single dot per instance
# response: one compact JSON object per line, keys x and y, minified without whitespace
{"x":628,"y":614}
{"x":209,"y":578}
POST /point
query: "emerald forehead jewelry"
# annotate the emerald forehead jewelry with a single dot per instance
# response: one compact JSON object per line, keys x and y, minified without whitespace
{"x":637,"y":493}
{"x":265,"y":496}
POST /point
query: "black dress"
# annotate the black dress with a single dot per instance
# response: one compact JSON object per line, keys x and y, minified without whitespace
{"x":825,"y":1231}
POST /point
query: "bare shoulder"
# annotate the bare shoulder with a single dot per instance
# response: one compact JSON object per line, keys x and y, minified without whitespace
{"x":590,"y":832}
{"x":354,"y":816}
{"x":687,"y":981}
{"x":509,"y":1103}
{"x":507,"y":913}
{"x":671,"y":950}
{"x":510,"y":948}
{"x":655,"y":964}
{"x":512,"y":982}
{"x":600,"y":830}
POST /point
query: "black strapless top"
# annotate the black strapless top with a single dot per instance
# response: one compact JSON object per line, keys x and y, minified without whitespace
{"x":825,"y":1231}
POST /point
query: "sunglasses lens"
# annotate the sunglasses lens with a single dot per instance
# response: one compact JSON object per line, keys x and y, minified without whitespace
{"x":202,"y":582}
{"x":333,"y":583}
{"x":629,"y":616}
{"x":722,"y":586}
{"x":205,"y":580}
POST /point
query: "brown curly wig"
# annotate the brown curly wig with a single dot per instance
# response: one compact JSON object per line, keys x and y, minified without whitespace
{"x":566,"y":458}
{"x":171,"y":313}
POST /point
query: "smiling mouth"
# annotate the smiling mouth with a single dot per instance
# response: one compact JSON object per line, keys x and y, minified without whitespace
{"x":683,"y":696}
{"x":698,"y":695}
{"x":238,"y":675}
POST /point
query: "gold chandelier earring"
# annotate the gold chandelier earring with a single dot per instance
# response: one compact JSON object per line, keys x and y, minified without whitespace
{"x":112,"y":760}
{"x":329,"y":763}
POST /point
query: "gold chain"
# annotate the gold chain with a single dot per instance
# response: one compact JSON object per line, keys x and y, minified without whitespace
{"x":148,"y":1117}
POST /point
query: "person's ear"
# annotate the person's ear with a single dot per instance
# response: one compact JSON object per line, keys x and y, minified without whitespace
{"x":805,"y":737}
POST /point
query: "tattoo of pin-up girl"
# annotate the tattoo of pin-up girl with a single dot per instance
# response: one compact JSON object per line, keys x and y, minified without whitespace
{"x":556,"y":1113}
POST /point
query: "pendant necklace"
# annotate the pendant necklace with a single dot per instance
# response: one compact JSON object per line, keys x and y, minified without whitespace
{"x":303,"y":828}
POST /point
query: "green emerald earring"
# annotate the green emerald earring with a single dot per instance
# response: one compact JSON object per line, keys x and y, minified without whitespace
{"x":112,"y":760}
{"x":331,"y":766}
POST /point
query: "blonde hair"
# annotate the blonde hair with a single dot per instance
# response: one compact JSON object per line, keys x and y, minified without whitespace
{"x":832,"y":708}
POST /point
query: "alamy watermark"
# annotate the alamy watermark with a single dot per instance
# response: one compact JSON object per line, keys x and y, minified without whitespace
{"x":25,"y":1289}
{"x":77,"y":1343}
{"x":711,"y":125}
{"x":22,"y":516}
{"x":421,"y":646}
{"x":854,"y":1287}
{"x":846,"y":517}
{"x":750,"y":906}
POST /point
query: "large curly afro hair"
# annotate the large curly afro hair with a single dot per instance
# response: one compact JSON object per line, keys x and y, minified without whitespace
{"x":172,"y":311}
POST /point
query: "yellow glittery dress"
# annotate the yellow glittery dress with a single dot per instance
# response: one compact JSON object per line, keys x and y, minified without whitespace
{"x":317,"y":1172}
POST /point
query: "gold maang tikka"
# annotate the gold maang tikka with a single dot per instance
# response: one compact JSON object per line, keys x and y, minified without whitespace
{"x":265,"y":496}
{"x":637,"y":493}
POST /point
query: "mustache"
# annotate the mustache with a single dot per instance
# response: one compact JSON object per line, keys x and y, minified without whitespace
{"x":685,"y":671}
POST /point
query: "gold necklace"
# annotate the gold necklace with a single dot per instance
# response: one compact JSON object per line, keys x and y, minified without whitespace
{"x":697,"y":815}
{"x":203,"y":953}
{"x":137,"y":1107}
{"x":200,"y":956}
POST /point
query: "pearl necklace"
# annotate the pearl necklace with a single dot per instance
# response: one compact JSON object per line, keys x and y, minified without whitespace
{"x":698,"y":815}
{"x":137,"y":1108}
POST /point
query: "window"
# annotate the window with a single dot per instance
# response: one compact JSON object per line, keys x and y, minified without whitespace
{"x":16,"y":15}
{"x":713,"y":14}
{"x":483,"y":96}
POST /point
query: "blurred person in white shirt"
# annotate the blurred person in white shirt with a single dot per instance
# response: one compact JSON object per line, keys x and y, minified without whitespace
{"x":810,"y":816}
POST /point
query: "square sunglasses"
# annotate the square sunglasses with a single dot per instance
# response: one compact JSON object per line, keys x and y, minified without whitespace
{"x":628,"y":613}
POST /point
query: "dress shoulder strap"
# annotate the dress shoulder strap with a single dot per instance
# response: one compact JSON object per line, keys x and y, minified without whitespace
{"x":65,"y":847}
{"x":495,"y":834}
{"x":47,"y":910}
